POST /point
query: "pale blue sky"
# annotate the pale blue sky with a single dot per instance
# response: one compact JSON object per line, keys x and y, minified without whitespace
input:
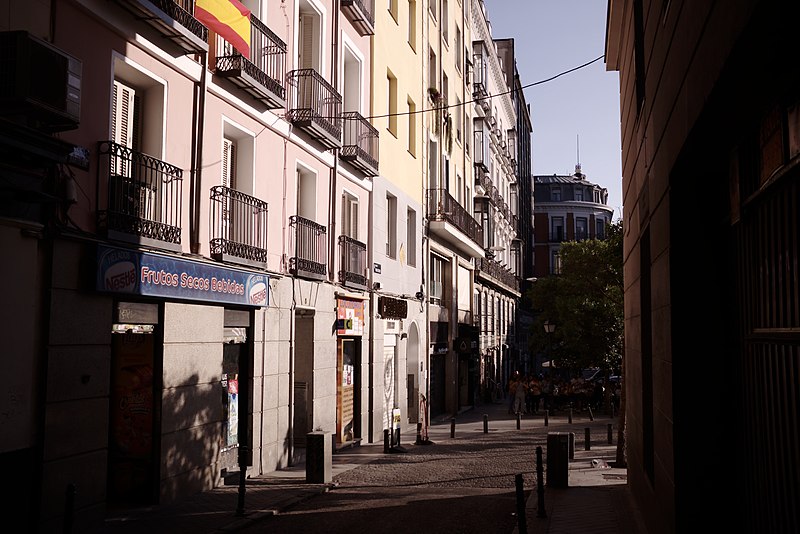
{"x":552,"y":36}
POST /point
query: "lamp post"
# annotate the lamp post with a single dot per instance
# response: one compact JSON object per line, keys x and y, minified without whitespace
{"x":549,"y":328}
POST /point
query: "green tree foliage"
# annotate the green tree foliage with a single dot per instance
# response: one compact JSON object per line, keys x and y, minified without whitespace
{"x":585,"y":302}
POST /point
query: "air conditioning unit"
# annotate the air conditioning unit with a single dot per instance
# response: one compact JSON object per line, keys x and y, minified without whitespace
{"x":40,"y":85}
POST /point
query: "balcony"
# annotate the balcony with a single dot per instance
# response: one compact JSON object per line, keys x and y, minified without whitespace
{"x":315,"y":107}
{"x":498,"y":273}
{"x":172,"y":19}
{"x":352,"y":263}
{"x":448,"y":219}
{"x":309,"y":242}
{"x":360,"y":146}
{"x":238,"y":227}
{"x":144,"y":197}
{"x":262,"y":74}
{"x":360,"y":13}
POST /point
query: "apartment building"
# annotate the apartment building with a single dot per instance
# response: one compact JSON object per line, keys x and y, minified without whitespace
{"x":189,"y":212}
{"x":709,"y":110}
{"x":497,"y":290}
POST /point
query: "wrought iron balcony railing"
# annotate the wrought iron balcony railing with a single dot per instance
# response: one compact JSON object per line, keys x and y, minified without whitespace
{"x":238,"y":227}
{"x":443,"y":207}
{"x":173,"y":19}
{"x":309,"y":242}
{"x":499,"y":272}
{"x":144,"y":196}
{"x":352,"y":262}
{"x":360,"y":13}
{"x":263,"y":74}
{"x":360,"y":146}
{"x":315,"y":106}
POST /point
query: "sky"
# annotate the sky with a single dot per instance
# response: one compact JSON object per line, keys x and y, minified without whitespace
{"x":579,"y":111}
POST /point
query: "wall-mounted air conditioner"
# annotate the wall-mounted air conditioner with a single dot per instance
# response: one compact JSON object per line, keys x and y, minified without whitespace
{"x":40,"y":85}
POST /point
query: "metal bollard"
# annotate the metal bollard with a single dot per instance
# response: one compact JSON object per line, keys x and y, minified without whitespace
{"x":587,"y":439}
{"x":453,"y":427}
{"x":521,"y":519}
{"x":485,"y":423}
{"x":419,"y":434}
{"x":570,"y":414}
{"x":610,"y":435}
{"x":572,"y":445}
{"x":386,"y":441}
{"x":541,"y":512}
{"x":591,"y":415}
{"x":546,"y":417}
{"x":518,"y":420}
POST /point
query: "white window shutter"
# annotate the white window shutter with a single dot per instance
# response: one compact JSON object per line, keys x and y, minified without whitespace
{"x":122,"y":113}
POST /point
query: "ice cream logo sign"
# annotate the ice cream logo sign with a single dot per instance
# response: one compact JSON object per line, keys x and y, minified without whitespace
{"x":142,"y":273}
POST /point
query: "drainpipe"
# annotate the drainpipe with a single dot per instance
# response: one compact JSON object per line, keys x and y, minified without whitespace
{"x":195,"y":185}
{"x":335,"y":169}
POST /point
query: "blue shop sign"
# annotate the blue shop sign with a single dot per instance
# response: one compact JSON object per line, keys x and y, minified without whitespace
{"x":153,"y":275}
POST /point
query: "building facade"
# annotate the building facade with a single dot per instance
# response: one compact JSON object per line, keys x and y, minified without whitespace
{"x":194,"y":292}
{"x":709,"y":117}
{"x":566,"y":208}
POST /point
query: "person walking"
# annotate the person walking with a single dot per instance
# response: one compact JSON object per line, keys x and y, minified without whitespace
{"x":519,"y":396}
{"x":513,"y":382}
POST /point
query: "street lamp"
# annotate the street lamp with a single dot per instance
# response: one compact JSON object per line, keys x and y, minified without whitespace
{"x":549,"y":328}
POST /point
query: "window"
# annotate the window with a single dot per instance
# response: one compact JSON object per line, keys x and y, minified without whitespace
{"x":579,"y":193}
{"x":391,"y":226}
{"x":349,"y":215}
{"x":600,"y":231}
{"x":412,"y":127}
{"x":445,"y":18}
{"x":393,"y":8}
{"x":555,"y":194}
{"x":436,"y":289}
{"x":555,"y":265}
{"x":432,"y":7}
{"x":308,"y":39}
{"x":557,"y":229}
{"x":581,"y":228}
{"x":458,"y":112}
{"x":391,"y":97}
{"x":411,"y":236}
{"x":306,"y":193}
{"x":412,"y":24}
{"x":458,"y":49}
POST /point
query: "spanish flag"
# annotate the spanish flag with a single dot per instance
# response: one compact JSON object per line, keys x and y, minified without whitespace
{"x":229,"y":19}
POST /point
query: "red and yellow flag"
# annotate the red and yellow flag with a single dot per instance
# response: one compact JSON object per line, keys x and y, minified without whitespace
{"x":229,"y":19}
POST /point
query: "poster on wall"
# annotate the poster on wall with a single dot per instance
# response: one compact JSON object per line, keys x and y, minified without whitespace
{"x":350,"y":317}
{"x":230,"y":386}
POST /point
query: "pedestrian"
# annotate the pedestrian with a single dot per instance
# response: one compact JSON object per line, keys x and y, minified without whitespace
{"x":519,"y":396}
{"x":512,"y":391}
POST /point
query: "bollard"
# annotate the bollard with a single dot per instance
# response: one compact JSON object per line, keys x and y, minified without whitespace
{"x":386,"y":441}
{"x":570,"y":414}
{"x":518,"y":420}
{"x":244,"y":452}
{"x":69,"y":507}
{"x":453,"y":427}
{"x":540,"y":512}
{"x":572,"y":445}
{"x":521,"y":519}
{"x":587,"y":439}
{"x":546,"y":417}
{"x":485,"y":423}
{"x":610,"y":435}
{"x":419,"y":434}
{"x":591,"y":415}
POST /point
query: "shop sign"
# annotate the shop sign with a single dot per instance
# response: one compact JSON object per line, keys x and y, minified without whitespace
{"x":143,"y":273}
{"x":391,"y":308}
{"x":349,"y":317}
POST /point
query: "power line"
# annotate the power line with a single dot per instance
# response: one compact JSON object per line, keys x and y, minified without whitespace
{"x":489,"y":97}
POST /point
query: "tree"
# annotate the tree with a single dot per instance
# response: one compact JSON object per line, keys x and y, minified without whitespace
{"x":585,"y":301}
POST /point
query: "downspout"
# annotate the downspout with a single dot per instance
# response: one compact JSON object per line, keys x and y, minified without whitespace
{"x":335,"y":169}
{"x":371,"y":384}
{"x":195,"y":185}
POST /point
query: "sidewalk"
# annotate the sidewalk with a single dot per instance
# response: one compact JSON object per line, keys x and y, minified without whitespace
{"x":596,"y":500}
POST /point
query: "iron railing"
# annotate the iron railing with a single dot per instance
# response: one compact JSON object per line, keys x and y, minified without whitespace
{"x":144,"y":194}
{"x":309,"y":242}
{"x":352,"y":262}
{"x":238,"y":226}
{"x":176,"y":21}
{"x":443,"y":207}
{"x":315,"y":106}
{"x":360,"y":145}
{"x":262,"y":73}
{"x":499,"y":272}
